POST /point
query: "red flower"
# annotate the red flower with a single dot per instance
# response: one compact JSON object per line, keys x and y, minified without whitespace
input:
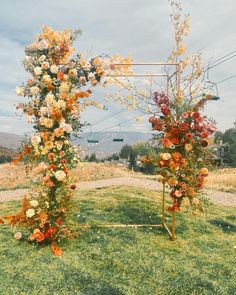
{"x":184,"y":127}
{"x":59,"y":221}
{"x":175,"y":131}
{"x":50,"y":156}
{"x":198,"y":119}
{"x":73,"y":186}
{"x":196,"y":115}
{"x":63,"y":161}
{"x":174,"y":208}
{"x":165,"y":111}
{"x":50,"y":183}
{"x":166,"y":142}
{"x":188,"y":135}
{"x":51,"y":230}
{"x":47,"y":235}
{"x":53,"y":167}
{"x":158,"y":126}
{"x":152,"y":120}
{"x":204,"y":134}
{"x":174,"y":140}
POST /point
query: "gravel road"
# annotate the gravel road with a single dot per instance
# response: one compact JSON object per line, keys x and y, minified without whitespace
{"x":217,"y":197}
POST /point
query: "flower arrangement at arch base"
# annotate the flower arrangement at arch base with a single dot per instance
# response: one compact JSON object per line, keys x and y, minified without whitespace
{"x":183,"y":137}
{"x":59,"y":90}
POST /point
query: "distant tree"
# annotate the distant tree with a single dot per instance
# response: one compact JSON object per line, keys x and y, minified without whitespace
{"x":133,"y":160}
{"x":141,"y":148}
{"x":93,"y":158}
{"x":218,"y":136}
{"x":126,"y":151}
{"x":115,"y":157}
{"x":5,"y":159}
{"x":86,"y":158}
{"x":229,"y":138}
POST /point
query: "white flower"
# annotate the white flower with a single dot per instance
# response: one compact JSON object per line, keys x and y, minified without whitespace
{"x":54,"y":69}
{"x":20,"y":91}
{"x":27,"y":60}
{"x":165,"y":156}
{"x":73,"y":73}
{"x":60,"y":175}
{"x":34,"y":90}
{"x":91,"y":76}
{"x":37,"y":71}
{"x":34,"y":203}
{"x":43,"y":111}
{"x":47,"y":79}
{"x":43,"y":44}
{"x":17,"y":235}
{"x":45,"y":65}
{"x":61,"y":104}
{"x":30,"y":213}
{"x":42,"y":58}
{"x":50,"y":98}
{"x":35,"y":140}
{"x":66,"y":127}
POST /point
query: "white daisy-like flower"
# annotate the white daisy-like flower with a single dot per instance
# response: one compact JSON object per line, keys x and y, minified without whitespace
{"x":37,"y":71}
{"x":54,"y":69}
{"x":30,"y":213}
{"x":34,"y":90}
{"x":35,"y":139}
{"x":20,"y":91}
{"x":34,"y":203}
{"x":60,"y":175}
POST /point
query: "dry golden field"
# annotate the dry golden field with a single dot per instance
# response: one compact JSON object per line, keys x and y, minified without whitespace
{"x":15,"y":176}
{"x":12,"y":177}
{"x":222,"y":180}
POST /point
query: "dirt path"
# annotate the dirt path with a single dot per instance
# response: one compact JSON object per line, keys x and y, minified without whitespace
{"x":217,"y":197}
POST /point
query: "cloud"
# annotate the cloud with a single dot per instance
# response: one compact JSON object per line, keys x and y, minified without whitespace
{"x":134,"y":27}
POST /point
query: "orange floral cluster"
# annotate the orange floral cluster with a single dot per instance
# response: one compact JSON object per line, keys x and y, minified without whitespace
{"x":184,"y":135}
{"x":58,"y":91}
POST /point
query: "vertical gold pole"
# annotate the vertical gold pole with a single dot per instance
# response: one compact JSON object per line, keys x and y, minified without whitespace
{"x":163,"y":201}
{"x":173,"y":226}
{"x":178,"y":80}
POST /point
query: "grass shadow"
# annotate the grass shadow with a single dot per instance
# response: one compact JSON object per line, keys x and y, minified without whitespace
{"x":223,"y":225}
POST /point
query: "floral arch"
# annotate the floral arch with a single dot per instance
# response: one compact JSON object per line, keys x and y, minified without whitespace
{"x":58,"y":90}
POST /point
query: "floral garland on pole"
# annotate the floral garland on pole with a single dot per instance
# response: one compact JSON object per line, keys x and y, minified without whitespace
{"x":183,"y":130}
{"x":183,"y":137}
{"x":58,"y":92}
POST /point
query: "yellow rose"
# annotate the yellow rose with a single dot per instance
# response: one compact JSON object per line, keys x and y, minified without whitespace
{"x":64,"y":88}
{"x":166,"y":156}
{"x":188,"y":147}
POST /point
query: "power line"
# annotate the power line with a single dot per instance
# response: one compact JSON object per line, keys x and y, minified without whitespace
{"x":105,"y":129}
{"x":108,"y":117}
{"x":226,"y":79}
{"x":215,"y":63}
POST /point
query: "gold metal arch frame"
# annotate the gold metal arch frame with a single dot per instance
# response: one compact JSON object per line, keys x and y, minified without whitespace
{"x":170,"y":231}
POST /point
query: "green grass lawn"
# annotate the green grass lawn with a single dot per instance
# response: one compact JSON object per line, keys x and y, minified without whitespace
{"x":126,"y":261}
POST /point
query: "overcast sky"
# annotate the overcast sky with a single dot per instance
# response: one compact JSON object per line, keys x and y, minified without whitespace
{"x":139,"y":28}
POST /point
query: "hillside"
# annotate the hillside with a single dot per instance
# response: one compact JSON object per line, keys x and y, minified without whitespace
{"x":105,"y":146}
{"x":7,"y":152}
{"x":10,"y":140}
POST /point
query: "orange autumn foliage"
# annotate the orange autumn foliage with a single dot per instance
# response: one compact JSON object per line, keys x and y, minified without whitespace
{"x":57,"y":251}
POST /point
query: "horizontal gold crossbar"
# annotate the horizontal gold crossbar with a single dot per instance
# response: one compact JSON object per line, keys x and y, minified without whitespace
{"x":121,"y":225}
{"x":162,"y":225}
{"x":138,"y":75}
{"x":146,"y":64}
